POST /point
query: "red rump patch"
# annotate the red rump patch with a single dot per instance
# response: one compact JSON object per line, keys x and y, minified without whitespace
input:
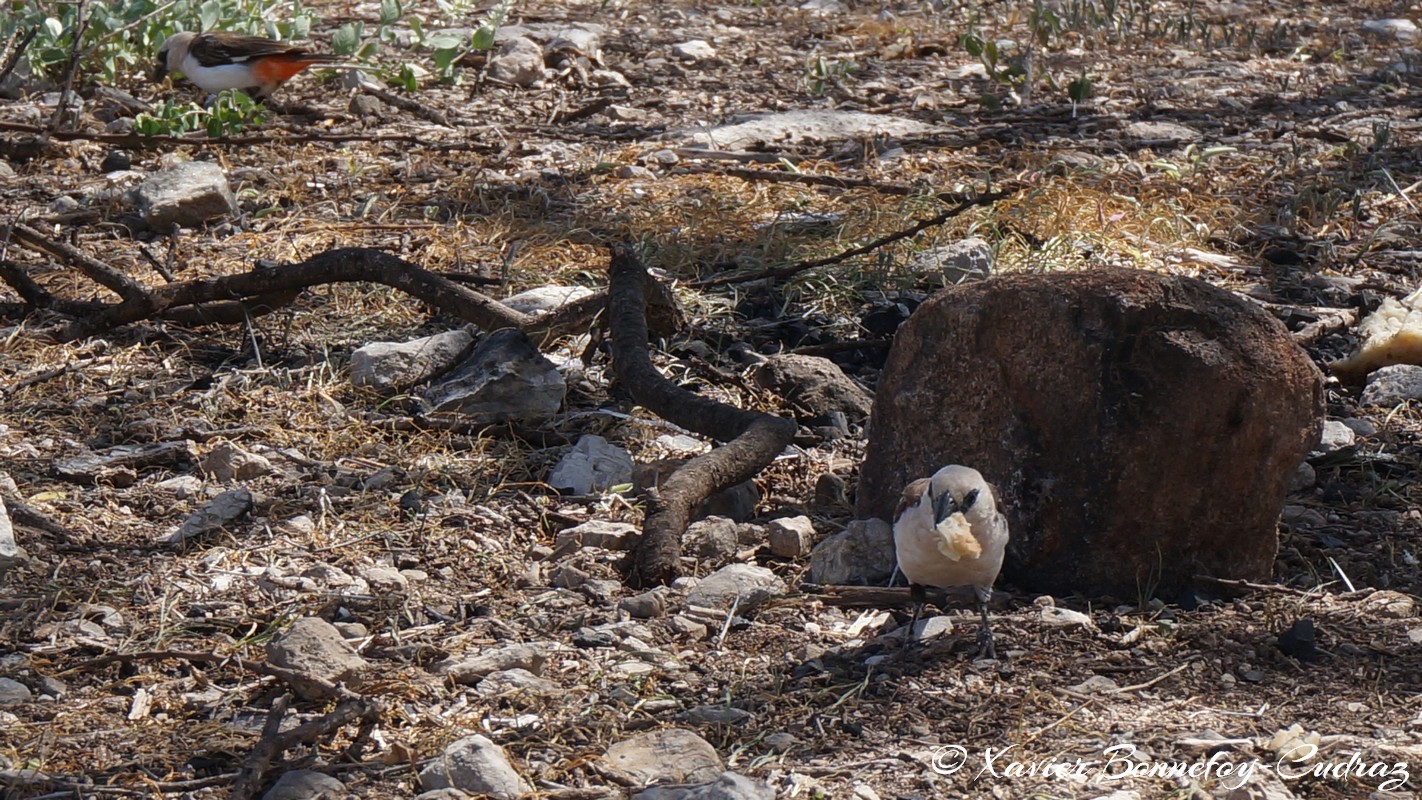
{"x":277,"y":68}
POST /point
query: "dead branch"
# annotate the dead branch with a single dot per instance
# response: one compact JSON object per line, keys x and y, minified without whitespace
{"x":93,"y":269}
{"x":848,"y":346}
{"x":249,"y":778}
{"x":406,"y":104}
{"x":883,"y":241}
{"x":36,"y":296}
{"x":564,"y":116}
{"x":352,"y":707}
{"x":232,"y":298}
{"x":830,"y":181}
{"x":138,"y":141}
{"x":289,"y":676}
{"x":752,"y":439}
{"x":1342,"y":319}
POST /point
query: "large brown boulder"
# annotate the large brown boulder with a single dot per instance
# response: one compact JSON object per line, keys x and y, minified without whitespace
{"x":1141,"y":429}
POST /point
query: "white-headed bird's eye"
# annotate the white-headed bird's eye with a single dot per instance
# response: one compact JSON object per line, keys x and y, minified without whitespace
{"x":968,"y":500}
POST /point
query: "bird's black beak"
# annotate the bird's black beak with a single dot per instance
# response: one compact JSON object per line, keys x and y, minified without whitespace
{"x":943,"y":507}
{"x":161,"y":71}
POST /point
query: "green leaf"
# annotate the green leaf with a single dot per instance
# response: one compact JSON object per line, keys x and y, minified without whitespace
{"x":54,"y":27}
{"x":390,"y":12}
{"x":483,"y":38}
{"x":444,"y":60}
{"x":346,"y":40}
{"x":208,"y":14}
{"x":444,"y":41}
{"x":973,"y":44}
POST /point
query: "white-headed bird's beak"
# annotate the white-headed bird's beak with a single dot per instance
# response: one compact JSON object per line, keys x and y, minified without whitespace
{"x":943,"y":507}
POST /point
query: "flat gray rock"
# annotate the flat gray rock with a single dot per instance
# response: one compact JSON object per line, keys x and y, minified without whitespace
{"x":186,"y":194}
{"x":1399,"y":29}
{"x":932,"y":628}
{"x":671,"y":755}
{"x":790,"y":537}
{"x":313,"y":646}
{"x":714,"y":539}
{"x":218,"y":513}
{"x":745,"y":584}
{"x":227,"y":462}
{"x":1335,"y":436}
{"x":12,"y":691}
{"x":815,"y":387}
{"x":443,"y":794}
{"x":102,"y":465}
{"x":1157,"y":132}
{"x":472,"y":669}
{"x":543,"y":299}
{"x":1065,"y":618}
{"x":599,"y":533}
{"x":390,"y":366}
{"x":1392,"y":385}
{"x":647,"y":605}
{"x":693,"y":50}
{"x":504,"y":379}
{"x":475,"y":765}
{"x":966,"y":260}
{"x":305,"y":784}
{"x":861,"y":555}
{"x":517,"y":680}
{"x":593,"y":465}
{"x":804,"y":125}
{"x":10,"y":552}
{"x":727,"y":786}
{"x":517,"y":61}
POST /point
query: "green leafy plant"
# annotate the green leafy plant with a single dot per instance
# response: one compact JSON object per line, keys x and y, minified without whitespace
{"x":821,"y":71}
{"x":349,"y":39}
{"x":449,"y":49}
{"x":233,"y":112}
{"x":121,"y":36}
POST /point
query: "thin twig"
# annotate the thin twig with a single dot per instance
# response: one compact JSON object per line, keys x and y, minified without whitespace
{"x":1035,"y":736}
{"x":831,"y":181}
{"x":1153,"y":681}
{"x":562,"y":116}
{"x":81,"y":25}
{"x":14,"y":59}
{"x":883,"y":241}
{"x":847,"y":346}
{"x":130,"y":26}
{"x":1232,"y":583}
{"x":405,"y":104}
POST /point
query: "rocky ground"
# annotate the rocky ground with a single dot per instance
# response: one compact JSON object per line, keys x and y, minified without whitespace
{"x":244,"y":511}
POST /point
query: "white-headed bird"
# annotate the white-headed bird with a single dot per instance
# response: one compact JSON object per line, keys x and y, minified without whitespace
{"x":948,"y":532}
{"x":219,"y":60}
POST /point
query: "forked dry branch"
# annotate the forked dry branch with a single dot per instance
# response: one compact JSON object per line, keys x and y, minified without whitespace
{"x":350,"y":708}
{"x":752,"y":439}
{"x":229,"y":299}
